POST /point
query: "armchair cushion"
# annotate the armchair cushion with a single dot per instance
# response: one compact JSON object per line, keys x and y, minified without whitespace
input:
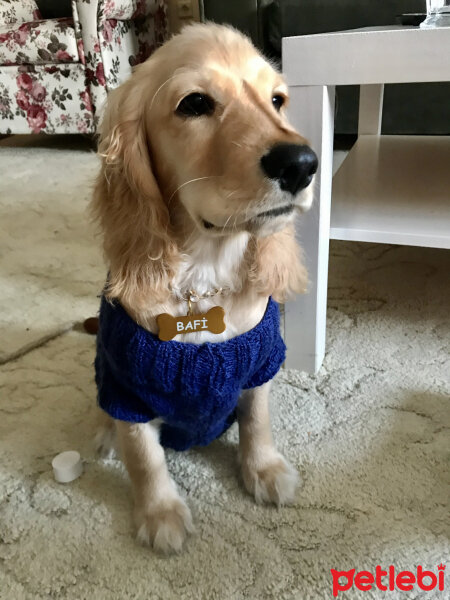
{"x":18,"y":11}
{"x":45,"y":98}
{"x":39,"y":42}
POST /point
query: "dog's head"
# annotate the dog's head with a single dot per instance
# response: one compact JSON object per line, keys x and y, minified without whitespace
{"x":199,"y":133}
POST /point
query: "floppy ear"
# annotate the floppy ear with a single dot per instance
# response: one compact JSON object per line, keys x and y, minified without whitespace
{"x":129,"y":205}
{"x":277,"y":269}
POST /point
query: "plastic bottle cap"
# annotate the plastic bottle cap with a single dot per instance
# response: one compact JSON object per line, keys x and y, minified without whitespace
{"x":67,"y":466}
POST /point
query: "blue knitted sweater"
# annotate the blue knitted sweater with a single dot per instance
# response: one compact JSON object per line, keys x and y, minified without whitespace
{"x":194,"y":388}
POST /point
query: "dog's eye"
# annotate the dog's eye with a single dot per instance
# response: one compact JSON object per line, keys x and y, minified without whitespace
{"x":196,"y":105}
{"x":277,"y":102}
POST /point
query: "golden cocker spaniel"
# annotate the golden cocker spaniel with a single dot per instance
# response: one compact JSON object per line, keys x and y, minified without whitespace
{"x":201,"y":179}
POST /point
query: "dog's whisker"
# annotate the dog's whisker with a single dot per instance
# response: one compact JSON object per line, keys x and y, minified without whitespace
{"x":246,"y":211}
{"x":160,"y":88}
{"x":243,"y":144}
{"x":235,"y":222}
{"x":191,"y":235}
{"x":191,"y":181}
{"x":228,"y":220}
{"x":234,"y":214}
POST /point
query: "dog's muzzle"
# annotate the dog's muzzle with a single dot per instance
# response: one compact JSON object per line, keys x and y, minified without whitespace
{"x":292,"y":165}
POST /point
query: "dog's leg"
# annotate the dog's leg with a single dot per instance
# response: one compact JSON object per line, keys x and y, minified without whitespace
{"x":266,"y":473}
{"x":162,"y":517}
{"x":105,"y":440}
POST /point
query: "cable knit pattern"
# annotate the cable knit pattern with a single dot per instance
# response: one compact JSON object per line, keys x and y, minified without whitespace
{"x":194,"y":388}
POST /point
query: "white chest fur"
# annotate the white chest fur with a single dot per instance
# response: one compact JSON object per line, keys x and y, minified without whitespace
{"x":212,"y":263}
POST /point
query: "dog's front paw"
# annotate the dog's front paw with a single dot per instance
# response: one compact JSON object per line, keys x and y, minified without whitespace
{"x":165,"y":525}
{"x":270,"y":478}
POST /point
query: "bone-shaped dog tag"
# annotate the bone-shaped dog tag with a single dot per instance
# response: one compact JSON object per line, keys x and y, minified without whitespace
{"x":169,"y":326}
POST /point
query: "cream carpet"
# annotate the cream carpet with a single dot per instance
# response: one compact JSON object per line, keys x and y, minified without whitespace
{"x":369,"y":434}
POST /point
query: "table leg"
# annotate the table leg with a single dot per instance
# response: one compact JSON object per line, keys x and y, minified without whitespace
{"x":370,"y":109}
{"x":312,"y":113}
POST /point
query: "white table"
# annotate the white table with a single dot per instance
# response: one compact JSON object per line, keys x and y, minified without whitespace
{"x":390,"y":189}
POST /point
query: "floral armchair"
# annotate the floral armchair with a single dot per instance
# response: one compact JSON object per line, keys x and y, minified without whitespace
{"x":55,"y":74}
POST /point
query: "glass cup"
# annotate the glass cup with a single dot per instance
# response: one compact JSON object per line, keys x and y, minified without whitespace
{"x":438,"y":14}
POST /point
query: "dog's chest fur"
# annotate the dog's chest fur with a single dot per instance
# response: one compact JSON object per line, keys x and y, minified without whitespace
{"x":212,"y":263}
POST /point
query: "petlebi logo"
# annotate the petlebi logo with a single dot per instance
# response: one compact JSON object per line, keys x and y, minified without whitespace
{"x":389,"y":580}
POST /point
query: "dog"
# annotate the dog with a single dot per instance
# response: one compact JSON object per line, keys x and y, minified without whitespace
{"x":202,"y":177}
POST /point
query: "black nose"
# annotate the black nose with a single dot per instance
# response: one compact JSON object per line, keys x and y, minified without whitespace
{"x":293,"y":165}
